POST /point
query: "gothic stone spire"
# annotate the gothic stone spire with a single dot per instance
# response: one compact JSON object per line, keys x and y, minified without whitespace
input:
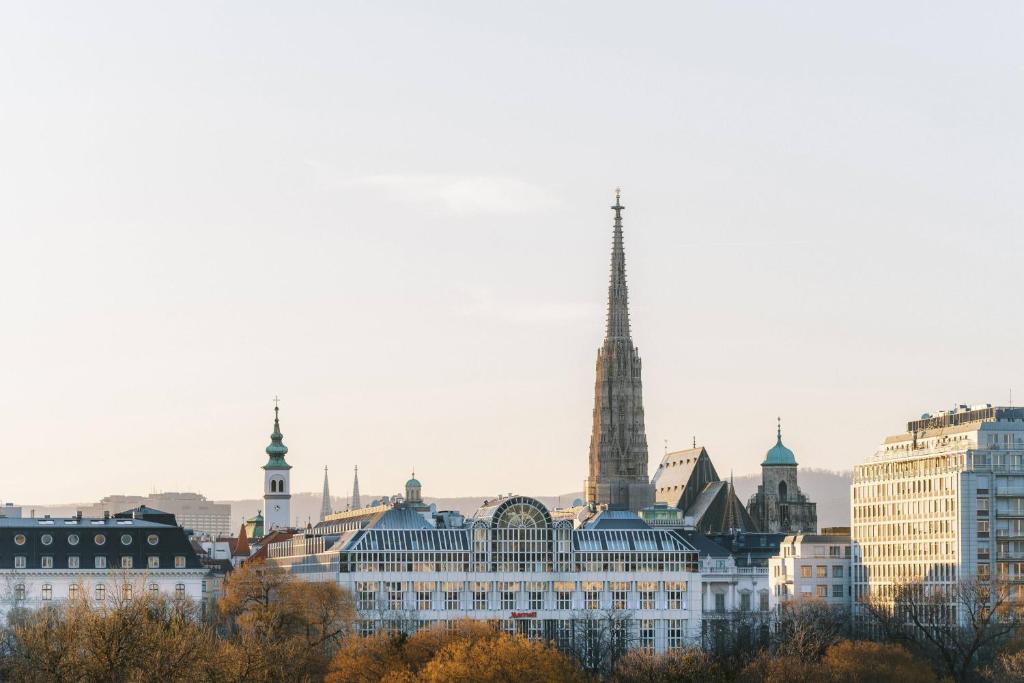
{"x":618,"y":295}
{"x":325,"y":504}
{"x":355,"y":491}
{"x":618,"y":440}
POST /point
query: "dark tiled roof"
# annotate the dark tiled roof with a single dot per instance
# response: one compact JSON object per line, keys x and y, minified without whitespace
{"x":87,"y":538}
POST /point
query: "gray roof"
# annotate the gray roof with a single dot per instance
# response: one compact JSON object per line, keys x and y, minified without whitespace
{"x":398,"y":518}
{"x":73,"y":522}
{"x":704,"y":545}
{"x":663,"y":540}
{"x":616,"y":519}
{"x":409,"y":539}
{"x":682,"y":475}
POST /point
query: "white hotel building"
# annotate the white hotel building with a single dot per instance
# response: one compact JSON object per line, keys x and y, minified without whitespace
{"x":510,"y":563}
{"x":941,"y":502}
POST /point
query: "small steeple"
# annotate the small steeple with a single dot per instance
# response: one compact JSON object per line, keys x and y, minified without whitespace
{"x":355,"y":491}
{"x":779,"y":454}
{"x":618,"y":295}
{"x":325,"y":504}
{"x":413,"y":490}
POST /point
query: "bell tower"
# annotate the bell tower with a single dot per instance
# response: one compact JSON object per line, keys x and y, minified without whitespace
{"x":277,"y":489}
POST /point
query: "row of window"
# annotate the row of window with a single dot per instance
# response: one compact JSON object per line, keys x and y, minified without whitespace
{"x":74,"y":562}
{"x":99,"y":591}
{"x":820,"y":571}
{"x":75,"y":539}
{"x":821,"y":590}
{"x":533,"y":595}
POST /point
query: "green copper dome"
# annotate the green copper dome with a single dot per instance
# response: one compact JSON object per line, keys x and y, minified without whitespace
{"x":277,"y":450}
{"x":779,"y":454}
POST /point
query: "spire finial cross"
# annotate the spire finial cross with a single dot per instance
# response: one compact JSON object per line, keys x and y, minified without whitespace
{"x":778,"y":431}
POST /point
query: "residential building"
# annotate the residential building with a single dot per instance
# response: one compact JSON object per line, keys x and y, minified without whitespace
{"x":618,"y":475}
{"x":47,"y":560}
{"x":811,"y":565}
{"x":941,"y":502}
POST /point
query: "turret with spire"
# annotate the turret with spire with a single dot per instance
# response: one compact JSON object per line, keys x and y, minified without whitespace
{"x":618,"y":440}
{"x":355,"y":490}
{"x":325,"y":502}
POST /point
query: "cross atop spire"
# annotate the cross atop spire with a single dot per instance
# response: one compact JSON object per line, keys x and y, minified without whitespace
{"x":778,"y":431}
{"x":618,"y":296}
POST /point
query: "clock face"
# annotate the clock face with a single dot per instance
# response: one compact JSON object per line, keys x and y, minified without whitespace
{"x":277,"y":508}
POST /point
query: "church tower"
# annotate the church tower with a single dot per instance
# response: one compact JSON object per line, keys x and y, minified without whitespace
{"x":618,"y":439}
{"x":355,"y":491}
{"x":277,"y":490}
{"x":325,"y":503}
{"x":779,"y":506}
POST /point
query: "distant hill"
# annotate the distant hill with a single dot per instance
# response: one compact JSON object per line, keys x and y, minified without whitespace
{"x":830,"y":490}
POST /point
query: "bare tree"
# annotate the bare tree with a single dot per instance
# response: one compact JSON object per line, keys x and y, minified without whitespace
{"x":961,"y":628}
{"x":807,"y":627}
{"x":597,"y":640}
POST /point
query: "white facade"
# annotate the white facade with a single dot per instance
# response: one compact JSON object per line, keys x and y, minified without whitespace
{"x":511,"y":564}
{"x":277,"y":499}
{"x":941,"y":502}
{"x":727,"y":588}
{"x":43,"y":587}
{"x":812,"y":566}
{"x":44,"y":561}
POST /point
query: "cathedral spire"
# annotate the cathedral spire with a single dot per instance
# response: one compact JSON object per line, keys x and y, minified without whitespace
{"x":325,"y":504}
{"x":355,"y":491}
{"x":618,"y":440}
{"x":618,"y":295}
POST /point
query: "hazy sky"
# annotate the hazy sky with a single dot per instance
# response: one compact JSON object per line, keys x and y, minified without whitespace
{"x":395,"y":216}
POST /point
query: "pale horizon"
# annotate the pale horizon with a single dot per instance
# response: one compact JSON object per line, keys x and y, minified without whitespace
{"x":397,"y":221}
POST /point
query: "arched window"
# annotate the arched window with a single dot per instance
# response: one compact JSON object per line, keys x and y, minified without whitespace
{"x":783,"y":490}
{"x":273,"y":485}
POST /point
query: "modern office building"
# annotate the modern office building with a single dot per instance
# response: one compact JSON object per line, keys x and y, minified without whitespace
{"x":510,"y":563}
{"x":191,"y":510}
{"x":46,"y":560}
{"x":941,"y":502}
{"x":813,"y":566}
